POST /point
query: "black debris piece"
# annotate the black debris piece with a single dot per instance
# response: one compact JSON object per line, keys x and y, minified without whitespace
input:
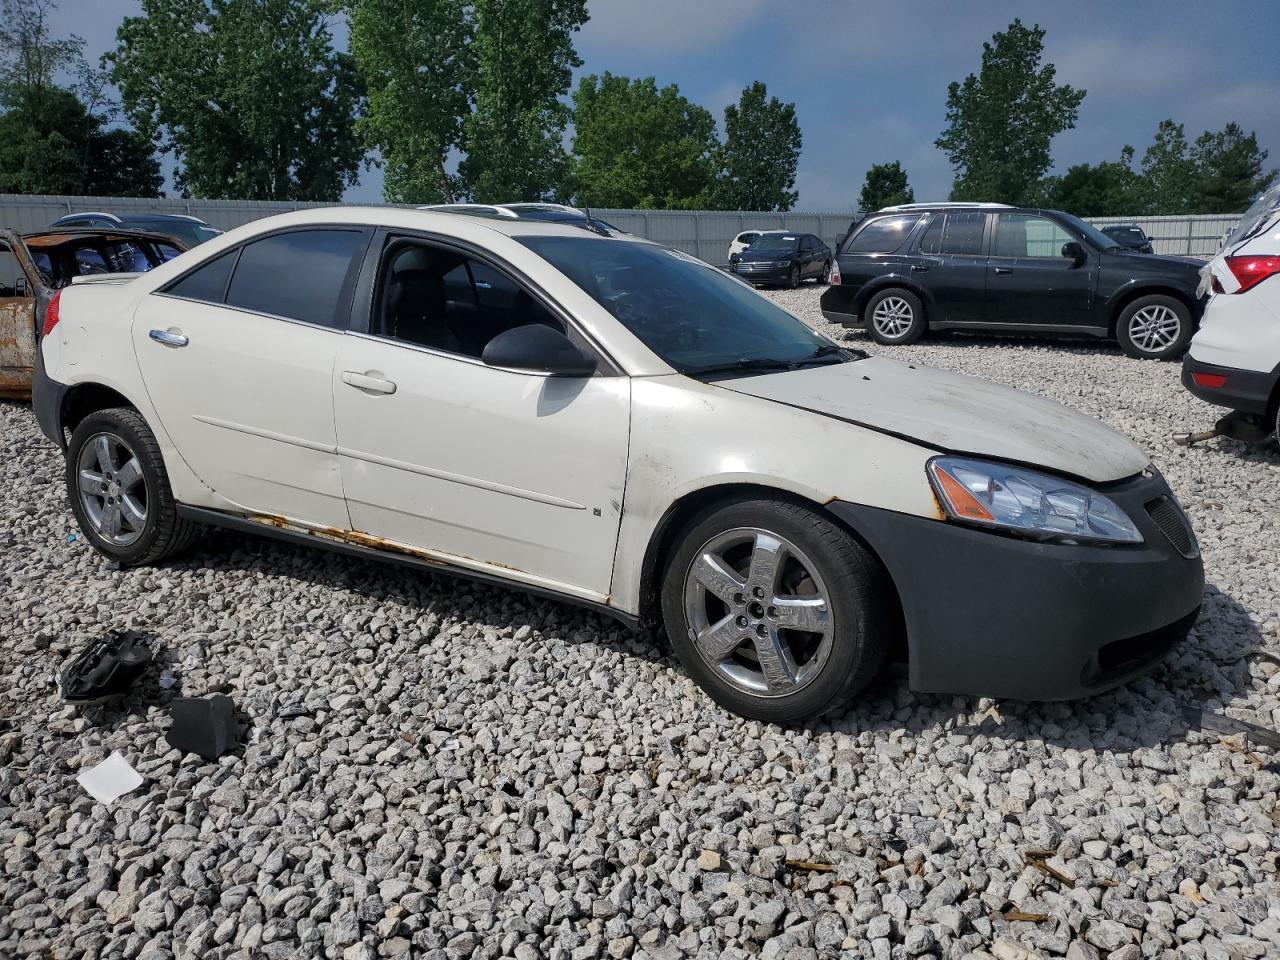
{"x":1199,"y":719}
{"x":203,"y":725}
{"x":107,"y":668}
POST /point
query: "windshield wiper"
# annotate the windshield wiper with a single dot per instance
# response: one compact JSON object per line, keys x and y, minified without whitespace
{"x":753,"y":364}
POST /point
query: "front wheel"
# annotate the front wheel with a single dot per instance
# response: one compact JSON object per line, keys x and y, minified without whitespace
{"x":119,"y":489}
{"x":826,"y":272}
{"x":774,"y":610}
{"x":1154,"y":327}
{"x":793,"y":278}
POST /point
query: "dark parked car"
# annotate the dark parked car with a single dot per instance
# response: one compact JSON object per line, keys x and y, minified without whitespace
{"x":191,"y":231}
{"x":1129,"y":236}
{"x":952,"y":266}
{"x":783,"y":258}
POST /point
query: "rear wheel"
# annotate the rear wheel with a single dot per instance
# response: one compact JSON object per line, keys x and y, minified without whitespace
{"x":119,"y":489}
{"x":1154,"y":327}
{"x":895,"y":316}
{"x":774,"y":610}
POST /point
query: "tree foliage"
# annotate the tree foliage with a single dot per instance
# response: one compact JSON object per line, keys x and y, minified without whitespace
{"x":1229,"y":170}
{"x":1168,"y":172}
{"x":638,"y":145}
{"x":1108,"y":189}
{"x":249,"y":96}
{"x":760,"y":153}
{"x":51,"y":139}
{"x":412,"y":58}
{"x":885,"y":186}
{"x":523,"y":60}
{"x":1001,"y":122}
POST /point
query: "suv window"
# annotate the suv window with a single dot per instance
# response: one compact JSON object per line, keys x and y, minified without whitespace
{"x":439,"y":298}
{"x":207,"y":282}
{"x":962,"y":233}
{"x":1026,"y":235}
{"x":11,"y":273}
{"x":297,"y":275}
{"x":882,"y":236}
{"x":747,"y":237}
{"x":931,"y":239}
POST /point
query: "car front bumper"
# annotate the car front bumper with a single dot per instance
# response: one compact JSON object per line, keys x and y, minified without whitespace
{"x":1248,"y":391}
{"x":994,"y":615}
{"x":759,"y":273}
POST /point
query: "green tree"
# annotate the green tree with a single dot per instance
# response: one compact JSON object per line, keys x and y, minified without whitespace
{"x":1168,"y":172}
{"x":760,"y":153}
{"x":886,"y":185}
{"x":523,"y":60}
{"x":1229,"y":170}
{"x":249,"y":96}
{"x":412,"y":58}
{"x":1002,"y":121}
{"x":636,"y":145}
{"x":1108,"y":189}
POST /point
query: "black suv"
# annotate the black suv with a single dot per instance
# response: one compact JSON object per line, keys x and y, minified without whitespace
{"x":782,"y":258}
{"x":987,"y":266}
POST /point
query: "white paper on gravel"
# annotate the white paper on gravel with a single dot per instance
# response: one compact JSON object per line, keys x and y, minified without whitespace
{"x":111,"y":779}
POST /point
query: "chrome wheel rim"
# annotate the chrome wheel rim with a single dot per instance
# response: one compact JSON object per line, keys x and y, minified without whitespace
{"x":1154,"y":328}
{"x":758,"y":612}
{"x":111,"y":489}
{"x":892,"y":317}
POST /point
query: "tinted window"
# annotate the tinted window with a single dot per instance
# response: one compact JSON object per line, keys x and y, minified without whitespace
{"x":884,"y":235}
{"x":776,"y":242}
{"x":962,"y":233}
{"x":1025,"y":235}
{"x":10,"y":274}
{"x":297,"y":275}
{"x":931,"y":241}
{"x":207,"y":282}
{"x":747,"y":237}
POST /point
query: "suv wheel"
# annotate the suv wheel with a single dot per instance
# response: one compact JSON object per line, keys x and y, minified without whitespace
{"x":895,"y":316}
{"x":774,"y":610}
{"x":119,"y":489}
{"x":1154,"y":327}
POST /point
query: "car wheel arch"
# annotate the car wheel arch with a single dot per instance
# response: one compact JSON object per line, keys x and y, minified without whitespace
{"x":662,"y":542}
{"x":1122,"y":298}
{"x":892,"y":282}
{"x":83,"y":399}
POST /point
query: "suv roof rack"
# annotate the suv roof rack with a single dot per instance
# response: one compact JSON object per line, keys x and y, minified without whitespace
{"x":539,"y":206}
{"x":939,"y":205}
{"x":476,"y":209}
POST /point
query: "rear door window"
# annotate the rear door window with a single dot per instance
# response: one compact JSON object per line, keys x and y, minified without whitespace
{"x":962,"y":233}
{"x":884,"y":235}
{"x":13,"y":280}
{"x":298,"y":275}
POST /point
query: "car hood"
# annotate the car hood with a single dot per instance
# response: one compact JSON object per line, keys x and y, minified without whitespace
{"x":954,"y":413}
{"x":1157,"y":262}
{"x":756,"y":256}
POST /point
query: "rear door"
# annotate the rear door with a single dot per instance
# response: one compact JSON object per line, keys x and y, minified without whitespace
{"x":955,"y":246}
{"x":1030,"y":282}
{"x":238,"y":357}
{"x":17,"y":325}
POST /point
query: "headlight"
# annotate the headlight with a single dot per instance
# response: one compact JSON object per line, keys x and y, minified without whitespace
{"x":1023,"y":501}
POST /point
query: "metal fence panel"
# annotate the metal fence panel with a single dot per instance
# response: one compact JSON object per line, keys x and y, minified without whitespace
{"x":703,"y":233}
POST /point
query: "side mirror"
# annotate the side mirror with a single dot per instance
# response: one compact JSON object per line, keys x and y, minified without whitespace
{"x":536,"y":346}
{"x":20,"y":287}
{"x":1074,"y":252}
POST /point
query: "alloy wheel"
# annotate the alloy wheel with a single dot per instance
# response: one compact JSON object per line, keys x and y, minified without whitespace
{"x":111,"y":488}
{"x":759,"y":612}
{"x":892,"y":317}
{"x":1154,"y":329}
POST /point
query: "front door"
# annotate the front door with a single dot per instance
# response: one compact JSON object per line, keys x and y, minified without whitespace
{"x":238,"y":359}
{"x":1030,"y":282}
{"x":513,"y":473}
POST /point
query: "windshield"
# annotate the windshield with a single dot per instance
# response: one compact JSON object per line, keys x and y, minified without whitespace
{"x":1095,"y":236}
{"x":188,"y":231}
{"x":1256,"y":218}
{"x":773,"y":243}
{"x":690,"y":314}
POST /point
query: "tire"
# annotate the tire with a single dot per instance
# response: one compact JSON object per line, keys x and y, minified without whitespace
{"x":114,"y":469}
{"x":805,"y":673}
{"x":826,"y":273}
{"x":902,"y":320}
{"x":1154,"y":327}
{"x":793,"y":278}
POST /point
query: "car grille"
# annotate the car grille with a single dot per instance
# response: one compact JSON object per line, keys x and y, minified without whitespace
{"x":1174,"y":525}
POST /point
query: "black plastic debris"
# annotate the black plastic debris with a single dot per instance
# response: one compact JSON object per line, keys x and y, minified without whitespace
{"x":203,"y":725}
{"x":1200,"y":719}
{"x":107,"y":668}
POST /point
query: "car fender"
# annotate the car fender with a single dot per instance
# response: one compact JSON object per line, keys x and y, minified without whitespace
{"x":680,"y":447}
{"x":1144,"y":286}
{"x":900,"y":277}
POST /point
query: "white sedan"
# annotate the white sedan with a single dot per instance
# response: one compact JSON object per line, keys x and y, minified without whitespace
{"x":616,"y":424}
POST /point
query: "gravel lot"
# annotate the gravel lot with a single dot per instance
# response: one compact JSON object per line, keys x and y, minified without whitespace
{"x":443,"y":770}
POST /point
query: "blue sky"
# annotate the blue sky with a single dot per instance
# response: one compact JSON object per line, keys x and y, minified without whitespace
{"x":869,"y":80}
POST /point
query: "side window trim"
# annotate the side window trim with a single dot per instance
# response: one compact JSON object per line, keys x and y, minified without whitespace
{"x":366,"y":289}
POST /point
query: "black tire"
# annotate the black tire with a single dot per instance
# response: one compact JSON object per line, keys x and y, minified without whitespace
{"x":163,"y":533}
{"x":1161,"y":306}
{"x":793,"y":278}
{"x":826,"y":273}
{"x":917,"y":323}
{"x":855,"y":587}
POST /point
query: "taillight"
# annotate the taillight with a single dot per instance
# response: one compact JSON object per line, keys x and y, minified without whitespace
{"x":835,"y":274}
{"x":51,"y":315}
{"x":1217,"y":285}
{"x":1251,"y":271}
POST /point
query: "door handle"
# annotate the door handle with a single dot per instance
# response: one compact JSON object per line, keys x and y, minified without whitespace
{"x":169,"y":338}
{"x":1003,"y":269}
{"x":362,"y":381}
{"x":919,"y":268}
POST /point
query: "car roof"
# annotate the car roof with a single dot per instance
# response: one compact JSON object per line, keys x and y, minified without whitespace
{"x":945,"y":205}
{"x":44,"y":239}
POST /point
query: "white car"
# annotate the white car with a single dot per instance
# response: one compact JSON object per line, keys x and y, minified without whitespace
{"x":616,"y":424}
{"x":1234,"y":360}
{"x":746,"y":238}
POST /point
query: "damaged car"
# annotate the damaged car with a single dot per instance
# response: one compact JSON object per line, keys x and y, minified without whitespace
{"x":613,"y":423}
{"x":34,"y":266}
